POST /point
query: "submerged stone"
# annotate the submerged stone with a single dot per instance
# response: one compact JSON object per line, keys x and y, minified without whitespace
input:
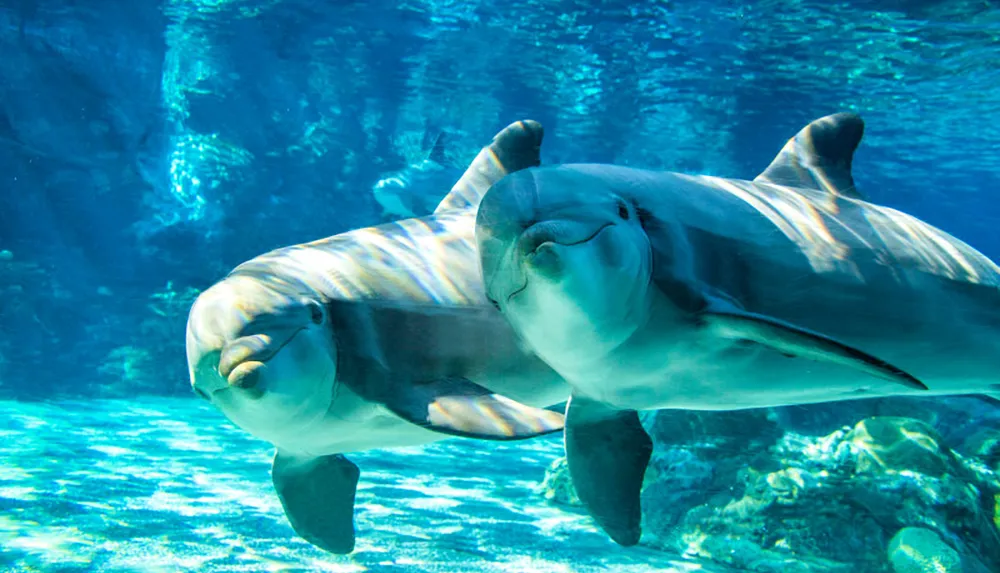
{"x":858,"y":499}
{"x":920,"y":550}
{"x":899,"y":444}
{"x":557,"y":486}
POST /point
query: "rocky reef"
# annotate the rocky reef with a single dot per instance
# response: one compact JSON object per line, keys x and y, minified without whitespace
{"x":884,"y":494}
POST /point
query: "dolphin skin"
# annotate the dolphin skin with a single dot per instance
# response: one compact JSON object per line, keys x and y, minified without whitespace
{"x":374,"y":338}
{"x":651,"y":290}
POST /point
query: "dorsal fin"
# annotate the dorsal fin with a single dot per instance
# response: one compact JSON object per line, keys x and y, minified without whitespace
{"x":819,"y":156}
{"x":437,"y":154}
{"x":516,"y":147}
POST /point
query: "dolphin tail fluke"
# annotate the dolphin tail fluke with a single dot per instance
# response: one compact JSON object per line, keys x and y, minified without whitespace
{"x":607,"y":452}
{"x":318,"y":497}
{"x":460,"y":407}
{"x":730,"y":322}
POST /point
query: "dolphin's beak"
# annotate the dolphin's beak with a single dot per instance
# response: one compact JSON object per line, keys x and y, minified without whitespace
{"x":243,"y":359}
{"x":205,"y":377}
{"x":566,"y":233}
{"x":542,"y":246}
{"x":221,"y":355}
{"x":215,"y":371}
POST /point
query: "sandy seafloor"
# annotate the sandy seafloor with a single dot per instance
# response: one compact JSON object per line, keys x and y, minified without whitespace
{"x":162,"y":485}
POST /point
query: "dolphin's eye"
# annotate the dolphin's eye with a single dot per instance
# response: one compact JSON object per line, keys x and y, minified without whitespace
{"x":316,"y":313}
{"x":623,"y":211}
{"x":495,"y":304}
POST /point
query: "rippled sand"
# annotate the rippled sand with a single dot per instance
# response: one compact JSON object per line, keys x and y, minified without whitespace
{"x":169,"y":485}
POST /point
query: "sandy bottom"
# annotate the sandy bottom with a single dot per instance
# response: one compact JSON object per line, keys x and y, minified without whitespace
{"x":157,"y":485}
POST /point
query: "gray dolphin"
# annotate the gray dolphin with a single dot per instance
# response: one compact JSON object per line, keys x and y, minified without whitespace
{"x":374,"y":338}
{"x":650,"y":290}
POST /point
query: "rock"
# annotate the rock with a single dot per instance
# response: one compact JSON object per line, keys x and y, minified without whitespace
{"x":829,"y":503}
{"x":897,"y":444}
{"x":557,"y":486}
{"x":920,"y":550}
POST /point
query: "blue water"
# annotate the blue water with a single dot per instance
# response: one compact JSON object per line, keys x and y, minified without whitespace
{"x":146,"y":148}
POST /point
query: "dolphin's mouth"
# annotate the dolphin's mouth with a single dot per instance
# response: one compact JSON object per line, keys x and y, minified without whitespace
{"x":518,"y":291}
{"x":539,"y":234}
{"x":242,"y":358}
{"x":563,"y":233}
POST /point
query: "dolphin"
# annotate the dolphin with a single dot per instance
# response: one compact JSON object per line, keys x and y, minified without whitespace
{"x":653,"y":290}
{"x":370,"y":339}
{"x":415,"y":190}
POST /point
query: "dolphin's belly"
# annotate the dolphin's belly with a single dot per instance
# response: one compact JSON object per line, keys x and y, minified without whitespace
{"x":352,"y":424}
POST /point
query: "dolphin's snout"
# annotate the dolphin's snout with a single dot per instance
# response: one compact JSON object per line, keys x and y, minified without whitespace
{"x":242,"y":357}
{"x":536,"y":236}
{"x":561,"y":232}
{"x":205,"y":378}
{"x":245,"y":374}
{"x":509,"y":207}
{"x":217,"y":370}
{"x":234,"y":328}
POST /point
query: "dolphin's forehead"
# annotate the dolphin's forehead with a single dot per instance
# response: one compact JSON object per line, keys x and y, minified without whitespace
{"x":505,"y":211}
{"x":508,"y":207}
{"x":527,"y":197}
{"x":241,"y":305}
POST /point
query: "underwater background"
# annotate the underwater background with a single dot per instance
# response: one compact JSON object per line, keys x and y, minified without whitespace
{"x":146,"y":148}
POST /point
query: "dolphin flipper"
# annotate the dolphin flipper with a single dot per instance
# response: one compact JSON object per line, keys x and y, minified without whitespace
{"x":607,"y":452}
{"x":731,"y":322}
{"x":460,"y":407}
{"x":318,"y":497}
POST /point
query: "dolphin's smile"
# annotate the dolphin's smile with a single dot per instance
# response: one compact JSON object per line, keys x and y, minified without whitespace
{"x":555,"y":232}
{"x":518,"y":291}
{"x":537,"y":242}
{"x":242,"y":358}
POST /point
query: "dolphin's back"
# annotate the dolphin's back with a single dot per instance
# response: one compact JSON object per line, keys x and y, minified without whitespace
{"x":843,"y":234}
{"x":866,"y":274}
{"x":426,"y":260}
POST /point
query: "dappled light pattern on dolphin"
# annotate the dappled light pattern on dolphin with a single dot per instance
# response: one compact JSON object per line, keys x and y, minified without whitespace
{"x":809,"y":193}
{"x":351,"y":260}
{"x":830,"y":229}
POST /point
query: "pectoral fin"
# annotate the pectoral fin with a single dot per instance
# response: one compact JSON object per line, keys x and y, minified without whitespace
{"x":731,"y":322}
{"x":460,"y":407}
{"x":318,"y":497}
{"x":607,"y":452}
